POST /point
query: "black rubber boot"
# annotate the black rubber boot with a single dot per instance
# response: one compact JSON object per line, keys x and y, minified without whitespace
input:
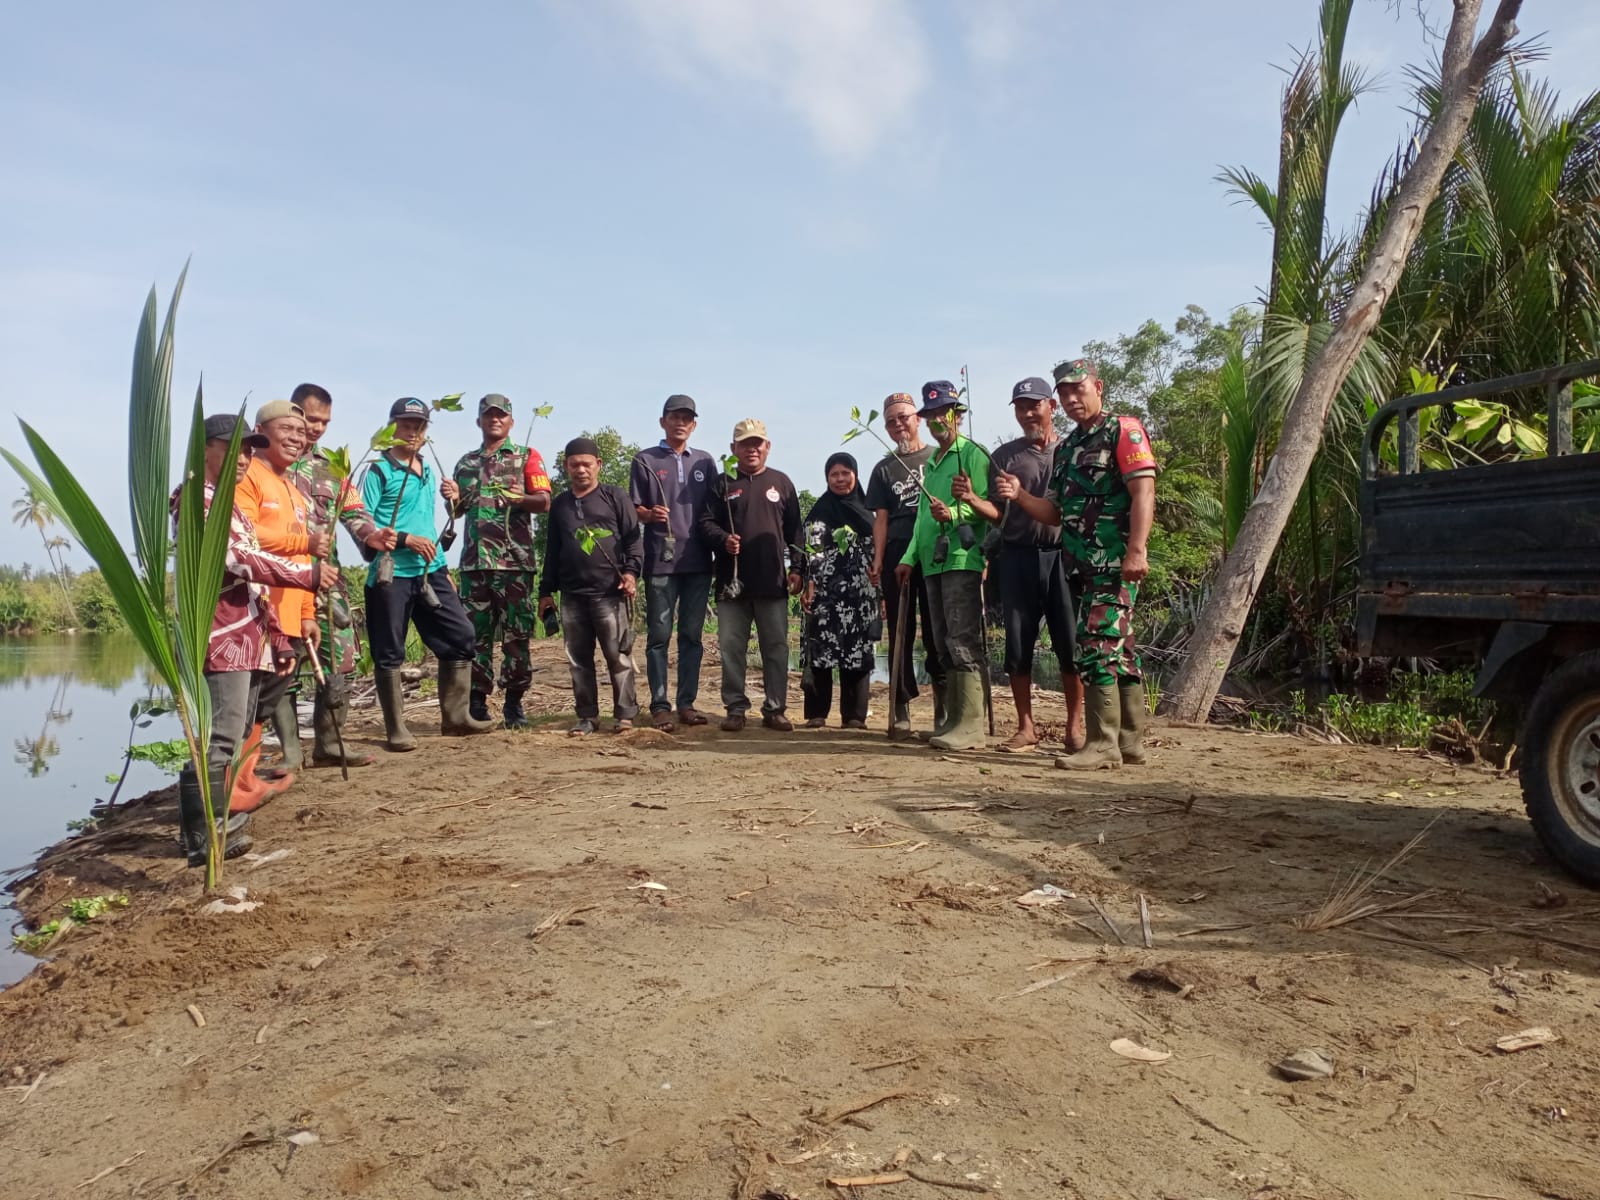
{"x":478,"y":706}
{"x":514,"y":717}
{"x":192,"y":817}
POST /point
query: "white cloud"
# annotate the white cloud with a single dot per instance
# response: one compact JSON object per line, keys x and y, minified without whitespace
{"x":997,"y":30}
{"x":849,"y":70}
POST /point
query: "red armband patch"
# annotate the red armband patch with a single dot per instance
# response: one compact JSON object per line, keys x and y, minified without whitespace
{"x":1133,"y":447}
{"x":534,"y":477}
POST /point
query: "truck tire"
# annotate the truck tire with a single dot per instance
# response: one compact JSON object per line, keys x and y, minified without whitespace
{"x":1560,"y":768}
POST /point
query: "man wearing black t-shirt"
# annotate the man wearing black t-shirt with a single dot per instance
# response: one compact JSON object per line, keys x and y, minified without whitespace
{"x":1028,"y":572}
{"x":892,"y":493}
{"x":751,"y":522}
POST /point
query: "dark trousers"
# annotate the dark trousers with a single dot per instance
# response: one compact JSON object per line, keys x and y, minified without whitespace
{"x":1031,"y":584}
{"x":273,"y":687}
{"x":393,"y":606}
{"x":587,"y":621}
{"x":855,"y":687}
{"x":906,"y":647}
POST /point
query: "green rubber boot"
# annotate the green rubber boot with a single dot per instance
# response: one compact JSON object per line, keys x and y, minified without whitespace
{"x":966,"y":730}
{"x":1135,"y":712}
{"x":1103,"y":716}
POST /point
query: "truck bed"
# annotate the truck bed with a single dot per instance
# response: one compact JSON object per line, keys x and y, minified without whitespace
{"x":1447,"y":555}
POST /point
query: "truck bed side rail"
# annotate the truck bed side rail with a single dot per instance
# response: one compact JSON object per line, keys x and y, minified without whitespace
{"x":1557,"y":382}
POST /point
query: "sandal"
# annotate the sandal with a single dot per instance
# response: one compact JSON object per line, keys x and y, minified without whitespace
{"x":1019,"y":745}
{"x":688,"y":716}
{"x":663,"y":721}
{"x":623,"y":725}
{"x":584,"y":726}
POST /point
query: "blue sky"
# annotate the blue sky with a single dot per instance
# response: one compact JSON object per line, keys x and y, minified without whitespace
{"x":781,"y":207}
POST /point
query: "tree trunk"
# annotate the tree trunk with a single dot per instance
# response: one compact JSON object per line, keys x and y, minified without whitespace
{"x":1464,"y":69}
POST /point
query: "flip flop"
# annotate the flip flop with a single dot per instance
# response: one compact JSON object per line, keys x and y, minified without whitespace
{"x":1013,"y":747}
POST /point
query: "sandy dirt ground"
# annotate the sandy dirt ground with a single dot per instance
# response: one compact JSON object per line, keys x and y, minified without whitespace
{"x":457,"y":982}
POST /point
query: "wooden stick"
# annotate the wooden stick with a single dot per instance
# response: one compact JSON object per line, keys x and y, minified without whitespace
{"x":196,"y":1016}
{"x":123,"y":1165}
{"x":833,"y":1116}
{"x":1144,"y":922}
{"x":854,"y":1181}
{"x":894,"y":1062}
{"x":1111,"y":925}
{"x":31,"y":1088}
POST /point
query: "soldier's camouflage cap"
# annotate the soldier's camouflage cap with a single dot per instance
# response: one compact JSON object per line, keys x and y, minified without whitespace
{"x":494,"y":400}
{"x":1074,"y":370}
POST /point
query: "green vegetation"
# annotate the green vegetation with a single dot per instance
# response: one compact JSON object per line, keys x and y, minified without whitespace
{"x":616,"y":460}
{"x":1505,"y":277}
{"x":1421,"y":710}
{"x":80,"y":911}
{"x":33,"y":604}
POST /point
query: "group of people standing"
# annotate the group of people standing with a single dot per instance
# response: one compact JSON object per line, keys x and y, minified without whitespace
{"x":1051,"y":528}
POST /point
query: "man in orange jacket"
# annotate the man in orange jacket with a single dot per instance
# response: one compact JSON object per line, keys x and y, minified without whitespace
{"x":274,"y":504}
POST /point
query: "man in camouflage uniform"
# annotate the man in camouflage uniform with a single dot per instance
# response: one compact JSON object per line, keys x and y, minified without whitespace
{"x":501,"y":486}
{"x":1103,"y":494}
{"x":332,"y":501}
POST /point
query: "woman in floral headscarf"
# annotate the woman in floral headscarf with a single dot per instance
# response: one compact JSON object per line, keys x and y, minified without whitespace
{"x":842,"y":623}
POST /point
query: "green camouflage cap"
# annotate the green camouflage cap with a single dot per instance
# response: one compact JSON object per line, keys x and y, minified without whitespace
{"x":1074,"y":370}
{"x":494,"y":400}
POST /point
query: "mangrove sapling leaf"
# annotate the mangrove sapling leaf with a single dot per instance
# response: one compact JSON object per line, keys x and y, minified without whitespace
{"x":544,"y":410}
{"x":589,"y":537}
{"x":450,"y":403}
{"x":169,"y":756}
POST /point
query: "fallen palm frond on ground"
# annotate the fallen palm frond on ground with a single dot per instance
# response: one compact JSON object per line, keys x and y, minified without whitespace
{"x":1350,"y":900}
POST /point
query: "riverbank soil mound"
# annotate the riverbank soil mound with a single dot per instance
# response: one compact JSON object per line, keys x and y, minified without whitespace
{"x":711,"y":965}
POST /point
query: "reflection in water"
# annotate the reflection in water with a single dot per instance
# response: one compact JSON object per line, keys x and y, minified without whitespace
{"x":64,"y":705}
{"x":103,"y":661}
{"x":37,"y":752}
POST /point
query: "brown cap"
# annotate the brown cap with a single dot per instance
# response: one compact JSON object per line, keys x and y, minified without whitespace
{"x":748,"y":428}
{"x":272,"y":410}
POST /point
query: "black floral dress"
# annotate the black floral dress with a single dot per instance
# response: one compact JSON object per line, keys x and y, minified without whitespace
{"x":841,"y":632}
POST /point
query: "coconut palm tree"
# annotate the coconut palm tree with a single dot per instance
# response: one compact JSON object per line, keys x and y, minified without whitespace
{"x":1505,"y":276}
{"x":33,"y":509}
{"x":1306,"y":284}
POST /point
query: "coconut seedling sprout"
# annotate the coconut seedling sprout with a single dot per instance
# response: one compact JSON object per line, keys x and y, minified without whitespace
{"x":173,"y":632}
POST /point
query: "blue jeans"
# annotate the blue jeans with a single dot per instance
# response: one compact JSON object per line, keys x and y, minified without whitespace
{"x":685,"y":595}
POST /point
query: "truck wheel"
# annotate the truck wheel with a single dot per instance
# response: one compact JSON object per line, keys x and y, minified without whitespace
{"x":1561,"y":765}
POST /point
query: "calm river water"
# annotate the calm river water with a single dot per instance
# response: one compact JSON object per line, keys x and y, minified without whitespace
{"x":63,"y":728}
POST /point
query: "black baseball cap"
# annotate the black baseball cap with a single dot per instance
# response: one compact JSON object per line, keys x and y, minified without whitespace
{"x":220,"y":429}
{"x":410,"y":406}
{"x":494,"y":400}
{"x":680,"y":403}
{"x":940,"y":393}
{"x":1032,"y":388}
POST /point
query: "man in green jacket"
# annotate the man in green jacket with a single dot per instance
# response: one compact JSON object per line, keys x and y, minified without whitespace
{"x":947,"y":544}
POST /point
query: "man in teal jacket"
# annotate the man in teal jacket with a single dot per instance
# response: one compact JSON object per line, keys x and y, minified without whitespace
{"x":409,"y":585}
{"x":948,"y":545}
